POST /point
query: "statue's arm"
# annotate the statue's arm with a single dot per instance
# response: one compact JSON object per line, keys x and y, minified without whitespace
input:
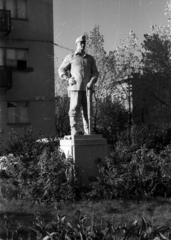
{"x":64,"y":67}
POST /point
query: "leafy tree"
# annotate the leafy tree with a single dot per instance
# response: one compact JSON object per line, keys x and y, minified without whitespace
{"x":168,"y":11}
{"x":60,"y":86}
{"x":113,"y":118}
{"x":95,"y":47}
{"x":128,"y":66}
{"x":107,"y":83}
{"x":155,"y":82}
{"x":156,"y":74}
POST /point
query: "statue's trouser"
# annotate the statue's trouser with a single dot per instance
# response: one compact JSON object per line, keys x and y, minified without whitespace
{"x":78,"y":99}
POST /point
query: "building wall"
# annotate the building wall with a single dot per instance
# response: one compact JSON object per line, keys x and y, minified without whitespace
{"x":36,"y":85}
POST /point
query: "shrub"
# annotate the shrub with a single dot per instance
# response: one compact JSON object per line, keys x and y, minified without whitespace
{"x":38,"y":171}
{"x":110,"y":118}
{"x":24,"y":144}
{"x":138,"y":166}
{"x":144,"y":174}
{"x":155,"y":137}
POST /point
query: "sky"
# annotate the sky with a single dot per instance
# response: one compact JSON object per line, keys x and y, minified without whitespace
{"x":72,"y":18}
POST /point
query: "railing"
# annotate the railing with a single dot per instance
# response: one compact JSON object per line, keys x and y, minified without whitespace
{"x":5,"y":21}
{"x":5,"y":77}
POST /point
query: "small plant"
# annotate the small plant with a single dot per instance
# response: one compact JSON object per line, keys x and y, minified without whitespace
{"x":15,"y":235}
{"x":85,"y":228}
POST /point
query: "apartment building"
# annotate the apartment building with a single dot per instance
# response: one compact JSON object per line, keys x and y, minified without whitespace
{"x":26,"y":66}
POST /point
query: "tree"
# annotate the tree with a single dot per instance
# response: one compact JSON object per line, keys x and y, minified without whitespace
{"x":156,"y":73}
{"x":113,"y":118}
{"x":128,"y":65}
{"x":60,"y":86}
{"x":95,"y":47}
{"x":155,"y":94}
{"x":107,"y":84}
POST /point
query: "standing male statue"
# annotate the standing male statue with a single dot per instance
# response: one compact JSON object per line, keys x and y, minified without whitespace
{"x":79,"y":69}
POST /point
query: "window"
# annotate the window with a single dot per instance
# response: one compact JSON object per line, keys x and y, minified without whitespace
{"x":18,"y":112}
{"x":18,"y":8}
{"x":17,"y":58}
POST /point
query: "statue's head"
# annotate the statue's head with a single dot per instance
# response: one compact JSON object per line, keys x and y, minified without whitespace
{"x":81,"y":43}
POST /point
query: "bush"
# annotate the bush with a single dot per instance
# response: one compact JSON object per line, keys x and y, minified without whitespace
{"x":137,"y":169}
{"x":144,"y":174}
{"x":38,"y":171}
{"x":155,"y":137}
{"x":24,"y":144}
{"x":110,"y":118}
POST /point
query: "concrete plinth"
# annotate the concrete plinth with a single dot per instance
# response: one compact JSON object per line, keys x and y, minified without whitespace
{"x":85,"y":150}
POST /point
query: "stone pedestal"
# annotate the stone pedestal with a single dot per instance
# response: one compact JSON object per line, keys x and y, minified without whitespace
{"x":85,"y":150}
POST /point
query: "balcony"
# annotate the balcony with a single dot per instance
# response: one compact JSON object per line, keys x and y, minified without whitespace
{"x":5,"y":77}
{"x":5,"y":22}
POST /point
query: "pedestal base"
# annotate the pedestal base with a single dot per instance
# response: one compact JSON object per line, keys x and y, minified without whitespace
{"x":85,"y":151}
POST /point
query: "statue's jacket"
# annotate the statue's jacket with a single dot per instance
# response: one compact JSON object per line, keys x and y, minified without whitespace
{"x":82,"y":68}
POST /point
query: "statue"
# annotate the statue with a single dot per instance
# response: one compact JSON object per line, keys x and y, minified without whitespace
{"x":80,"y":71}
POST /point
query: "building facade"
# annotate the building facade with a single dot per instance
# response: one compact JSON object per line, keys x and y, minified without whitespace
{"x":26,"y":66}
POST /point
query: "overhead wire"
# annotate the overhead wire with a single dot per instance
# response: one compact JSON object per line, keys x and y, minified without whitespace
{"x":66,"y":48}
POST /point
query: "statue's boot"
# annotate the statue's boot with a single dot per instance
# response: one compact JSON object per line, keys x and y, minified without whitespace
{"x":73,"y":125}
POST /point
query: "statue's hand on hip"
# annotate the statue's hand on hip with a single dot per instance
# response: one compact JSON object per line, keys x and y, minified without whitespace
{"x":72,"y":81}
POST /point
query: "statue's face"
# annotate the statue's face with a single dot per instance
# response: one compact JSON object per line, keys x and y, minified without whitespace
{"x":81,"y":46}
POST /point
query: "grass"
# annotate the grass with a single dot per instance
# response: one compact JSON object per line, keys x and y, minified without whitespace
{"x":157,"y":211}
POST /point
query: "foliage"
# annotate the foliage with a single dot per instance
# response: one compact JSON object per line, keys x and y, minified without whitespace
{"x":60,"y":86}
{"x":112,"y":119}
{"x":87,"y":228}
{"x":109,"y":85}
{"x":116,"y":65}
{"x":62,"y":118}
{"x":95,"y":47}
{"x":128,"y":57}
{"x":155,"y":137}
{"x":146,"y":175}
{"x":156,"y":56}
{"x":137,"y":169}
{"x":168,"y":10}
{"x":38,"y":171}
{"x":24,"y":144}
{"x":156,"y":80}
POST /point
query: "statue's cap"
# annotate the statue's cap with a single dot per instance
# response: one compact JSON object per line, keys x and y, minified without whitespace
{"x":80,"y":39}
